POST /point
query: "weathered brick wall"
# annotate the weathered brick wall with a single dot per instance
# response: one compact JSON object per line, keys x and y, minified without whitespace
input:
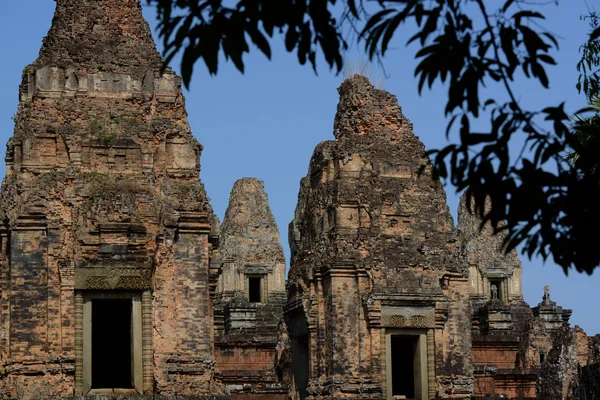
{"x":509,"y":338}
{"x":372,"y":253}
{"x":102,"y":193}
{"x":248,"y":334}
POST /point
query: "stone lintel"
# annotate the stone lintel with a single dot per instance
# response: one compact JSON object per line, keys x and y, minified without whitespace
{"x":31,"y":222}
{"x":293,"y":306}
{"x":194,"y":222}
{"x":121,"y":227}
{"x":496,"y":273}
{"x":408,"y":317}
{"x":257,"y":269}
{"x":104,"y":277}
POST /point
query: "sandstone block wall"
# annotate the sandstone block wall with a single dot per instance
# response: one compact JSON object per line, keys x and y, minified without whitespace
{"x":373,"y":255}
{"x":248,"y":320}
{"x":102,"y":196}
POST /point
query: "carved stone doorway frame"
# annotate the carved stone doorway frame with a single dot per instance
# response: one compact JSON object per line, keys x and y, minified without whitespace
{"x":421,"y":364}
{"x":83,"y":342}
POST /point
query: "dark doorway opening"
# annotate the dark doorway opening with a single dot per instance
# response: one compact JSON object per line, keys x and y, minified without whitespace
{"x":111,"y":344}
{"x":404,"y":348}
{"x":300,"y":355}
{"x":254,"y":289}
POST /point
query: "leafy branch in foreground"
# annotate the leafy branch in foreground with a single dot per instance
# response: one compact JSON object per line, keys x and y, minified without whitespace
{"x":201,"y":29}
{"x":588,"y":66}
{"x":549,"y":204}
{"x":549,"y":200}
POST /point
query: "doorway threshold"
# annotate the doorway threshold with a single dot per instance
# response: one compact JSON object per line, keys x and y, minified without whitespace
{"x":112,"y":392}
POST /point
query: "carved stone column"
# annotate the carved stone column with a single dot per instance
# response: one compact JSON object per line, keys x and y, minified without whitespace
{"x":148,"y":379}
{"x":78,"y":343}
{"x":431,"y":363}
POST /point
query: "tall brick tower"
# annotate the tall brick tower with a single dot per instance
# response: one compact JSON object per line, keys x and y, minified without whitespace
{"x":106,"y":229}
{"x":378,"y":298}
{"x":250,"y":296}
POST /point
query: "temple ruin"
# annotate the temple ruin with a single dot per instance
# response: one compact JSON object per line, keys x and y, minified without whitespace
{"x":378,"y":296}
{"x":250,"y":296}
{"x":117,"y":279}
{"x":106,"y":229}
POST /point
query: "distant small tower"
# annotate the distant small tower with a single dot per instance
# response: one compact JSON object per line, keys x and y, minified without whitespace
{"x":250,"y":292}
{"x":507,"y":336}
{"x":552,"y":315}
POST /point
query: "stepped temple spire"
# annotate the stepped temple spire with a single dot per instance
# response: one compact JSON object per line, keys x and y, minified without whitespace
{"x":106,"y":228}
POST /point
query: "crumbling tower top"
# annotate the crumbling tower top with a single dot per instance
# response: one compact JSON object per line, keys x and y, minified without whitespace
{"x":366,"y":110}
{"x":109,"y":35}
{"x":369,"y":187}
{"x":249,"y":231}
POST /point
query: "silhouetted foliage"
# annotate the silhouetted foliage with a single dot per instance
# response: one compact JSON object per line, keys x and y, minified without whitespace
{"x":588,"y":66}
{"x":550,"y":201}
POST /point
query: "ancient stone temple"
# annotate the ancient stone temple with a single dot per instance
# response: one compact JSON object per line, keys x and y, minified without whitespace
{"x":378,"y":304}
{"x":250,"y":297}
{"x":106,"y":229}
{"x":520,"y":352}
{"x":386,"y":300}
{"x":116,"y":278}
{"x":509,"y":342}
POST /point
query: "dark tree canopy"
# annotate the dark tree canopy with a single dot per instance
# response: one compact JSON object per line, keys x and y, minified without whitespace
{"x":549,"y":193}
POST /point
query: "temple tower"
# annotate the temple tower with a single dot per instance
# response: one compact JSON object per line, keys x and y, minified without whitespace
{"x":250,"y":296}
{"x":106,"y":229}
{"x":378,"y":304}
{"x":251,"y":256}
{"x":510,"y":340}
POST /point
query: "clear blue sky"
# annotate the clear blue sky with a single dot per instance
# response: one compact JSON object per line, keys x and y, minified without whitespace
{"x":267,"y":122}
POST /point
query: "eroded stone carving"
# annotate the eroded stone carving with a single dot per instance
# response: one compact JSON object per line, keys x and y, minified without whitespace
{"x":96,"y":203}
{"x":362,"y":230}
{"x":251,"y":341}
